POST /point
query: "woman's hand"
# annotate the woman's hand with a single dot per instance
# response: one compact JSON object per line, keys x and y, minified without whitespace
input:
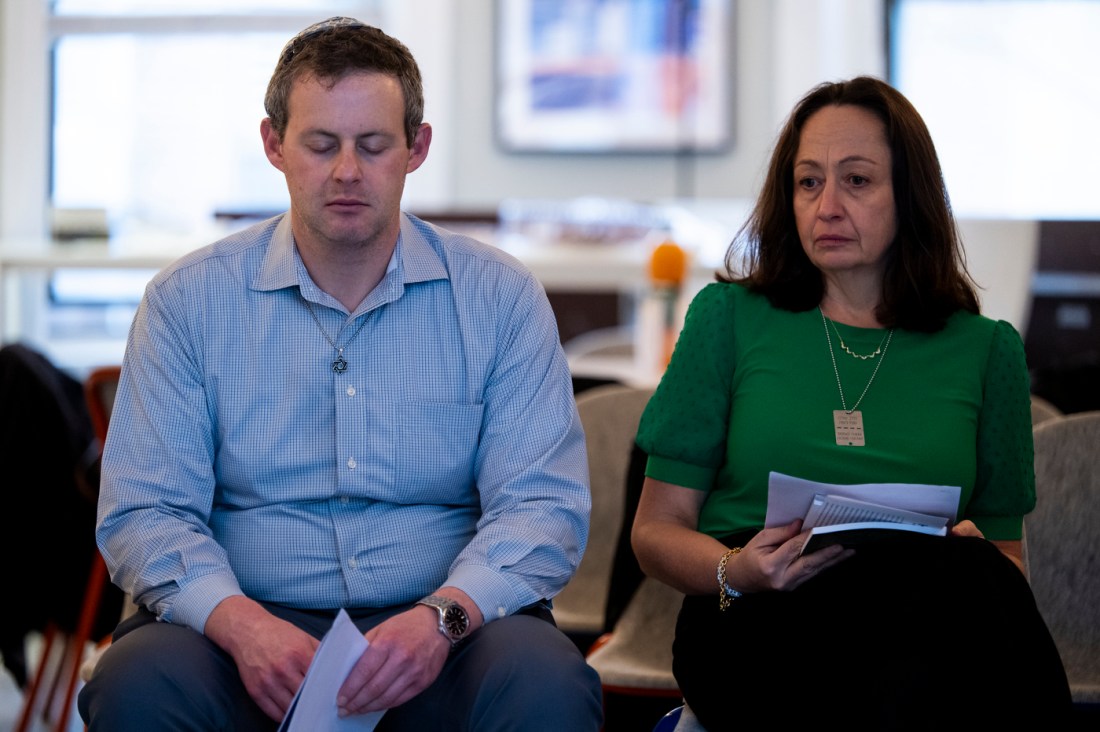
{"x":670,"y":548}
{"x":771,"y":561}
{"x":1014,"y":550}
{"x":966,"y":527}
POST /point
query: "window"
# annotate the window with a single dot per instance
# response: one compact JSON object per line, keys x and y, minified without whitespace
{"x":1009,"y":91}
{"x":131,"y":137}
{"x":156,"y":108}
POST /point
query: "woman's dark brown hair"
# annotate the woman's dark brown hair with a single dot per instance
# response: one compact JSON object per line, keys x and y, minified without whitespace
{"x":926,"y":278}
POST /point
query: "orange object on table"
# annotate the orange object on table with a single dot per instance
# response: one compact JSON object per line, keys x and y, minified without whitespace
{"x":667,"y":267}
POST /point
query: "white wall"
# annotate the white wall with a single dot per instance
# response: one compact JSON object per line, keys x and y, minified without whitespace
{"x":1001,"y":256}
{"x":24,"y":79}
{"x":780,"y":48}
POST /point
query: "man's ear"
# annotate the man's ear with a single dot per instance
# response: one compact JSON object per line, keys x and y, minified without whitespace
{"x":418,"y":151}
{"x":273,"y":144}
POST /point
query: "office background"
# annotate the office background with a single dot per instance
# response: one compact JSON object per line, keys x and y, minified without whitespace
{"x":778,"y":50}
{"x":1006,"y":87}
{"x":1010,"y":104}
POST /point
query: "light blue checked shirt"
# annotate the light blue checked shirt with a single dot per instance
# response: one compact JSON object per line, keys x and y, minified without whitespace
{"x":449,"y":452}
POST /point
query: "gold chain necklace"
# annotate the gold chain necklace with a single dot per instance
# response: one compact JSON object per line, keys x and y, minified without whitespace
{"x":849,"y":351}
{"x":340,"y":365}
{"x":848,"y":423}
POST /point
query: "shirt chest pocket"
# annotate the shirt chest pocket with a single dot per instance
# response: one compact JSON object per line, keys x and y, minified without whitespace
{"x":434,"y":449}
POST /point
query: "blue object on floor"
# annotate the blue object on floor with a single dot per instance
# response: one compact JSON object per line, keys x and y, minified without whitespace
{"x":680,"y":719}
{"x":668,"y":722}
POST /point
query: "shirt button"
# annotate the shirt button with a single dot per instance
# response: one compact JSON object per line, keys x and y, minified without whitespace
{"x":345,"y":500}
{"x":351,"y":463}
{"x":352,"y":563}
{"x":501,"y":612}
{"x":351,"y":391}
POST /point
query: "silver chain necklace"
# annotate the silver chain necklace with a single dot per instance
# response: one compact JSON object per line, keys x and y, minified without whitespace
{"x":848,"y":423}
{"x":340,"y":365}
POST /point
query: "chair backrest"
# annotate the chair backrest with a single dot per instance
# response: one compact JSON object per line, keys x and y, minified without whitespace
{"x":100,"y":386}
{"x":609,"y":414}
{"x":1062,"y":543}
{"x":99,"y":390}
{"x":636,"y":656}
{"x":1042,"y":410}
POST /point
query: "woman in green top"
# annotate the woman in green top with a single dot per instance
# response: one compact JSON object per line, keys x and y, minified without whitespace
{"x":851,"y":350}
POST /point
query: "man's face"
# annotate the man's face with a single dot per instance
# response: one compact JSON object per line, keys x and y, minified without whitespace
{"x":345,"y":158}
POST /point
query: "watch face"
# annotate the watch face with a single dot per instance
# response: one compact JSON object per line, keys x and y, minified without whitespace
{"x":455,"y":621}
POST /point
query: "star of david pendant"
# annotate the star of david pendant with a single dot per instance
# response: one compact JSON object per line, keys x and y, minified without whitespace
{"x":340,"y":365}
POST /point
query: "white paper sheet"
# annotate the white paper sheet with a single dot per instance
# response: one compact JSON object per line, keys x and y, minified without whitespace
{"x":789,"y":498}
{"x":314,"y":706}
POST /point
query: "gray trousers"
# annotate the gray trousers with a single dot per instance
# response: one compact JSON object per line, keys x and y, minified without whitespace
{"x":515,"y":673}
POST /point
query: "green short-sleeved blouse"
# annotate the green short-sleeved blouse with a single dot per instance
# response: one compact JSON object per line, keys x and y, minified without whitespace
{"x":752,"y":389}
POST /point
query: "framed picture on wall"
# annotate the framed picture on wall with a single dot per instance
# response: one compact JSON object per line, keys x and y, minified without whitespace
{"x":600,"y":76}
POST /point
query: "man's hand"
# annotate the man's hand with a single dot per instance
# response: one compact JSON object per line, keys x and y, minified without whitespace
{"x":272,"y":655}
{"x":405,"y":655}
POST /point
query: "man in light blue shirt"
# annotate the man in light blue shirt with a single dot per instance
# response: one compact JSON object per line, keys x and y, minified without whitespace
{"x":344,"y":407}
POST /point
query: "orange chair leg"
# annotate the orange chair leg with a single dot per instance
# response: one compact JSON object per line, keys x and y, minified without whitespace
{"x":97,"y":578}
{"x":72,"y":653}
{"x":30,"y":695}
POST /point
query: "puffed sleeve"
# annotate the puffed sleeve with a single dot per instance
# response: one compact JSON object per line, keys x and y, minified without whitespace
{"x":683,"y":428}
{"x":1005,"y":487}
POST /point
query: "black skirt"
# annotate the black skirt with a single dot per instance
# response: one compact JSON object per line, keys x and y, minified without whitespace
{"x":913,"y":633}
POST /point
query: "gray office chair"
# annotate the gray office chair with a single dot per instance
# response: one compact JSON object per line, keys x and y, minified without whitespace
{"x":610,"y":415}
{"x":1042,"y":410}
{"x":1062,"y":544}
{"x":636,"y":656}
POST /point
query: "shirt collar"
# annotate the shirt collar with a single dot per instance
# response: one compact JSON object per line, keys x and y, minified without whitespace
{"x":414,"y":259}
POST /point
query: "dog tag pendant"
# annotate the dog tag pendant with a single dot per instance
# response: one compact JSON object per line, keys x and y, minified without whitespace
{"x":848,"y":427}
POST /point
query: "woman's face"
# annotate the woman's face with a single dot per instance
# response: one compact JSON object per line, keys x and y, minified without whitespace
{"x":843,"y":191}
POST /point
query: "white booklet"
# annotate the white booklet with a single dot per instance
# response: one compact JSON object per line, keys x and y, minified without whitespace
{"x":854,"y":514}
{"x":314,"y":706}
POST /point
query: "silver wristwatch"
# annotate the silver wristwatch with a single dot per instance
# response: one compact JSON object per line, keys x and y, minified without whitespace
{"x":454,"y":623}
